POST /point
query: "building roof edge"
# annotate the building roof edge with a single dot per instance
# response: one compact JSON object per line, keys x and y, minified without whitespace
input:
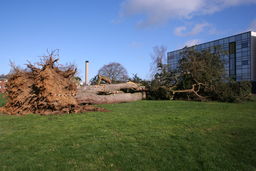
{"x":252,"y":34}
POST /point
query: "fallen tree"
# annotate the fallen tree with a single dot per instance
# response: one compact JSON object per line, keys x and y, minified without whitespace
{"x":44,"y":88}
{"x":110,"y":93}
{"x":199,"y":75}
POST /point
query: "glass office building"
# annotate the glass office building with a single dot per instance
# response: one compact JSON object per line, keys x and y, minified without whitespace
{"x":239,"y":57}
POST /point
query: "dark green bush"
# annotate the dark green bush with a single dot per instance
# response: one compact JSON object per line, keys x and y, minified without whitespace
{"x":159,"y":93}
{"x":233,"y":91}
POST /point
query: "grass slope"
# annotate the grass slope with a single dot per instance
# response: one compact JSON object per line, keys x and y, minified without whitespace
{"x":145,"y":135}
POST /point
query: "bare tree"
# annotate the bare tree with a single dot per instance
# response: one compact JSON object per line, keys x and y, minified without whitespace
{"x":158,"y":60}
{"x":115,"y":71}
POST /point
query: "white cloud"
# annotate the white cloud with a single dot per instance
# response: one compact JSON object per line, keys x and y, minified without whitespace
{"x":198,"y":28}
{"x":192,"y":42}
{"x":160,"y":11}
{"x":179,"y":31}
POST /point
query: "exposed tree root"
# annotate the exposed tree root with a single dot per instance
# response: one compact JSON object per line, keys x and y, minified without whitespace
{"x":45,"y":88}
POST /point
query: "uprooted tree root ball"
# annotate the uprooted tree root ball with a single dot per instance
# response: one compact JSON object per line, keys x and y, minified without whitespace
{"x":44,"y":88}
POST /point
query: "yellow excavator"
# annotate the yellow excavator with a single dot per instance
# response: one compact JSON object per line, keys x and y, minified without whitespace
{"x":101,"y":78}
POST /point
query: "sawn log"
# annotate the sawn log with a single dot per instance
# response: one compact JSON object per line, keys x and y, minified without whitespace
{"x":110,"y":93}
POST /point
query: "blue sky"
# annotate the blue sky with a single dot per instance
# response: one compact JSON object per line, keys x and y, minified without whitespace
{"x":104,"y":31}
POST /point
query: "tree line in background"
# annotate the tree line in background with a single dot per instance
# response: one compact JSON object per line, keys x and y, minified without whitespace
{"x":114,"y":71}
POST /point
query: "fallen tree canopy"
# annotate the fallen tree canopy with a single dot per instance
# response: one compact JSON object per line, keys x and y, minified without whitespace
{"x":44,"y":88}
{"x":110,"y":93}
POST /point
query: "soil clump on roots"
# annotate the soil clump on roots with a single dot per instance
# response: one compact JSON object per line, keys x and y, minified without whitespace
{"x":43,"y":88}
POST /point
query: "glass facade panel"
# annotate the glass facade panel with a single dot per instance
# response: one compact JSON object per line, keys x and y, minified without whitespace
{"x":238,"y":37}
{"x":245,"y":62}
{"x":245,"y":36}
{"x":237,"y":60}
{"x":244,"y":44}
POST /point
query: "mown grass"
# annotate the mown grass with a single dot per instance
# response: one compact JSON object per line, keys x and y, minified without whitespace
{"x":145,"y":135}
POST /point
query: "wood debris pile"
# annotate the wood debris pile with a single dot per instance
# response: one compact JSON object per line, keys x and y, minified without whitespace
{"x":44,"y":88}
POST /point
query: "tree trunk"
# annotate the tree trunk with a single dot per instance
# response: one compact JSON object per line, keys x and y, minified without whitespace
{"x":110,"y":93}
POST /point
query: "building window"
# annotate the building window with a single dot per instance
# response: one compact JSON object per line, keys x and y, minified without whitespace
{"x":245,"y":35}
{"x":232,"y":39}
{"x":239,"y":37}
{"x":232,"y":48}
{"x":244,"y":44}
{"x":232,"y":60}
{"x":245,"y":62}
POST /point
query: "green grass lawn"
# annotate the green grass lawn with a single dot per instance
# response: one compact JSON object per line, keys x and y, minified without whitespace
{"x":145,"y":135}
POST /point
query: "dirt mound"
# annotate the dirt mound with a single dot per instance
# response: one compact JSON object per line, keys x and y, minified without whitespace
{"x":44,"y":88}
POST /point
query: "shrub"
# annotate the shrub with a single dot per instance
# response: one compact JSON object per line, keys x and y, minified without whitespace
{"x":233,"y":91}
